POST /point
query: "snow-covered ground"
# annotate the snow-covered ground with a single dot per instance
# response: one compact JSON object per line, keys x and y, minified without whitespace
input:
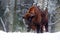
{"x":29,"y":36}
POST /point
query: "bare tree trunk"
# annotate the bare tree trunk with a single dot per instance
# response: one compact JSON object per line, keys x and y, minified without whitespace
{"x":15,"y":17}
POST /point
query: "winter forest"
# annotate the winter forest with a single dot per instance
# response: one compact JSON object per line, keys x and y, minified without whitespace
{"x":11,"y":12}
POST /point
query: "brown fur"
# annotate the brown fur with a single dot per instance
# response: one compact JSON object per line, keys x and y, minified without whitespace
{"x":41,"y":17}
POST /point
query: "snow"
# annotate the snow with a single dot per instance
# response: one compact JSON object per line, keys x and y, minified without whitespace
{"x":29,"y":36}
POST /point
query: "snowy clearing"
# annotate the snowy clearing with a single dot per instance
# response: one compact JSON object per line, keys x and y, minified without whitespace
{"x":29,"y":36}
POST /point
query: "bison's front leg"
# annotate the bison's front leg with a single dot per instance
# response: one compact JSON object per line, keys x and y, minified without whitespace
{"x":28,"y":29}
{"x":46,"y":27}
{"x":41,"y":28}
{"x":38,"y":28}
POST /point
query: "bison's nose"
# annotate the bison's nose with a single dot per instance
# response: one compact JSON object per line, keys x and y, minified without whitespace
{"x":23,"y":17}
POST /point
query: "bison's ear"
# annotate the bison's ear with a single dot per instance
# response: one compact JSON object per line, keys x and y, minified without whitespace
{"x":23,"y":17}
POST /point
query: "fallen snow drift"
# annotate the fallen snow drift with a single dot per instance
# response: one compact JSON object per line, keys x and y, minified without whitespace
{"x":29,"y":36}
